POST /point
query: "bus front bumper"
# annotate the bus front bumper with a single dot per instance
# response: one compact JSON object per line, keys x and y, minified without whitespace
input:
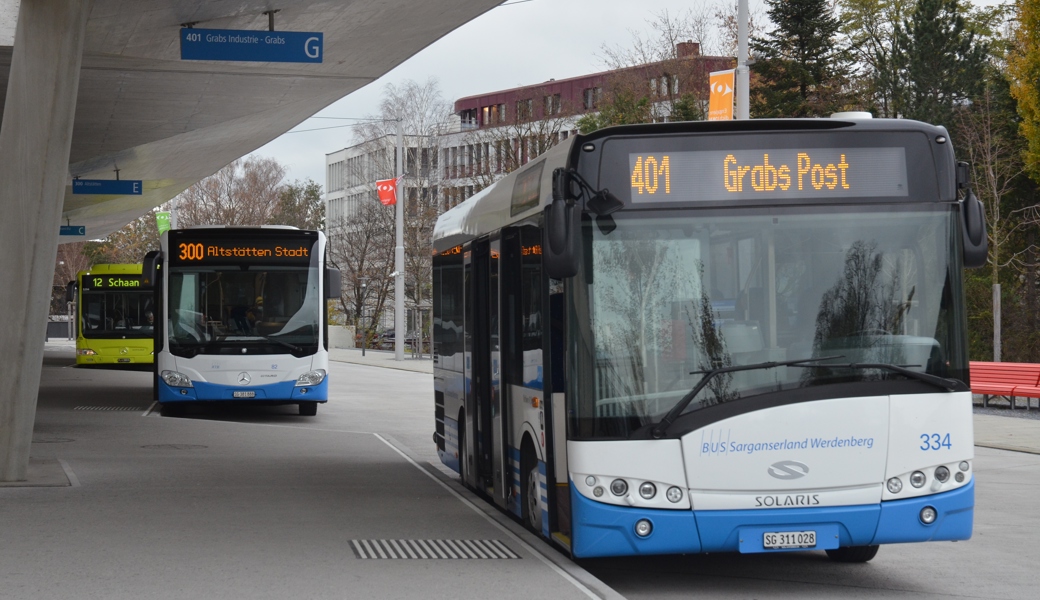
{"x":609,"y":530}
{"x":283,"y":392}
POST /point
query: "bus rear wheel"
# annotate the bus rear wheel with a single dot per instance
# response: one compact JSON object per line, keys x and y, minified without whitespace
{"x":853,"y":554}
{"x":531,"y":509}
{"x":308,"y":409}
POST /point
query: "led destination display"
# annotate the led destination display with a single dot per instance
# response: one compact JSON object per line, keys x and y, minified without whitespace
{"x":188,"y":250}
{"x":784,"y":173}
{"x":111,"y":282}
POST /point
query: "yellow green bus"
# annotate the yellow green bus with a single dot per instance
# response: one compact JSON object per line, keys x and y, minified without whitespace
{"x":114,"y":317}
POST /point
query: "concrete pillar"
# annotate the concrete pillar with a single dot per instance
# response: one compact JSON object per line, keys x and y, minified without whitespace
{"x":35,"y":139}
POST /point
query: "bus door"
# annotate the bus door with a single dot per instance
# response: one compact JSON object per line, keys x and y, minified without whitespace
{"x":481,"y":396}
{"x":524,"y":378}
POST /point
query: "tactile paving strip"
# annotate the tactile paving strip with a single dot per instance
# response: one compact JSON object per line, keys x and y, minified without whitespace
{"x":420,"y":549}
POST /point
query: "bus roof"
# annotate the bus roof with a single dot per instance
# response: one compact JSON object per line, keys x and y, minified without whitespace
{"x":493,"y":207}
{"x":106,"y":269}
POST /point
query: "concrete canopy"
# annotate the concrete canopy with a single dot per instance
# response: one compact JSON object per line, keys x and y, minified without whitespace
{"x":170,"y":123}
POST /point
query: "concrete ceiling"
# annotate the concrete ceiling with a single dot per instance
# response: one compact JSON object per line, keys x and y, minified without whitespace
{"x":170,"y":123}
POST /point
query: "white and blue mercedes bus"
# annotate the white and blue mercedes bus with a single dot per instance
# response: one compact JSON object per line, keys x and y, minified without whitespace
{"x":743,"y":336}
{"x":243,"y":316}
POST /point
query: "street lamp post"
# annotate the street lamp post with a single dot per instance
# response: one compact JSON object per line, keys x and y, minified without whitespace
{"x":399,"y":253}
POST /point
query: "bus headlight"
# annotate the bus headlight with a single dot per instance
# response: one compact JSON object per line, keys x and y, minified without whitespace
{"x":87,"y":352}
{"x":942,"y":474}
{"x":311,"y":378}
{"x":673,"y":494}
{"x":619,"y":487}
{"x":917,"y":479}
{"x":175,"y":379}
{"x":647,"y":490}
{"x":644,"y":527}
{"x":928,"y":515}
{"x":895,"y":485}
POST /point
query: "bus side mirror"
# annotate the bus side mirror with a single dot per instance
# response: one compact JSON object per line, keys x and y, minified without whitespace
{"x":562,"y":232}
{"x":333,"y":285}
{"x":976,"y":245}
{"x":150,"y":268}
{"x":70,"y":291}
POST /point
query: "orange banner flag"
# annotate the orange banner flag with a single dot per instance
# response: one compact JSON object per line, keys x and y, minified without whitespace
{"x":720,"y":102}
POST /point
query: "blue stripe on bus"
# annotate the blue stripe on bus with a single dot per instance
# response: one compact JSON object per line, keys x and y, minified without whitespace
{"x":609,"y":530}
{"x":285,"y":391}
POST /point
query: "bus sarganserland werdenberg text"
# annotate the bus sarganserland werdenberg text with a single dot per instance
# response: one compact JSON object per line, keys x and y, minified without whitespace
{"x":243,"y":316}
{"x":744,"y":336}
{"x":115,"y":316}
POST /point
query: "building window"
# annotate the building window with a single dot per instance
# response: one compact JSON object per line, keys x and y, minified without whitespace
{"x":552,"y":104}
{"x":590,"y":97}
{"x":524,"y":109}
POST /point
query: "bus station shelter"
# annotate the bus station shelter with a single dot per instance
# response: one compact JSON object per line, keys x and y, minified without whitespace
{"x":157,"y":95}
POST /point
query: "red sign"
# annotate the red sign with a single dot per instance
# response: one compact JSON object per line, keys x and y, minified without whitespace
{"x":387,"y":190}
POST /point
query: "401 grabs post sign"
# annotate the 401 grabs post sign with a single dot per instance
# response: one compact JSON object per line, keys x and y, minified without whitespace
{"x":255,"y":46}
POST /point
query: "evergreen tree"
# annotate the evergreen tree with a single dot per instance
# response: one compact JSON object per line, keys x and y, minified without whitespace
{"x":800,"y":65}
{"x":942,"y":64}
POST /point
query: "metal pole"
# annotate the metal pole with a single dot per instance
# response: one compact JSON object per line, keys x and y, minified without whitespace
{"x":743,"y":76}
{"x":996,"y":322}
{"x":399,"y":251}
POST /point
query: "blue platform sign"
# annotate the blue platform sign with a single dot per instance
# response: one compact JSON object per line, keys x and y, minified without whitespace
{"x":256,"y":46}
{"x":115,"y":187}
{"x":73,"y":230}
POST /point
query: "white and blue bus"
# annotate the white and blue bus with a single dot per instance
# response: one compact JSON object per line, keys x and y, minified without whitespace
{"x":244,"y":316}
{"x":744,"y":336}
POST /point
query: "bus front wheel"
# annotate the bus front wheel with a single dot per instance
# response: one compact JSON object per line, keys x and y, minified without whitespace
{"x":853,"y":554}
{"x":308,"y":409}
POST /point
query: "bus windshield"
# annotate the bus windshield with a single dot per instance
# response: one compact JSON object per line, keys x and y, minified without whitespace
{"x":116,"y":314}
{"x":232,"y":310}
{"x":671,"y":296}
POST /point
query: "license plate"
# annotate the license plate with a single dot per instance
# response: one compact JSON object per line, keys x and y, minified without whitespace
{"x":245,"y":394}
{"x":123,"y":360}
{"x":774,"y":540}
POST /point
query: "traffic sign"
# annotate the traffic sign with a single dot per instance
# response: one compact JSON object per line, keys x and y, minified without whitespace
{"x":124,"y":187}
{"x":247,"y":45}
{"x":73,"y":230}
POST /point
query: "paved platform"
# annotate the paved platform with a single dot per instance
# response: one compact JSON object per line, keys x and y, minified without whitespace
{"x":256,"y":502}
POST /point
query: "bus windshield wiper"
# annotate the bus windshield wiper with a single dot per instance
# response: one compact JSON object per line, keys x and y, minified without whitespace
{"x":659,"y":430}
{"x":293,"y":347}
{"x":950,"y":385}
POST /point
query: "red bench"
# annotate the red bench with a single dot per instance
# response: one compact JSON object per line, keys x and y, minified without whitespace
{"x":1005,"y":380}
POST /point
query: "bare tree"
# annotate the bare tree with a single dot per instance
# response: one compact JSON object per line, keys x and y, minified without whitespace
{"x":421,"y":112}
{"x":245,"y":192}
{"x":996,"y":163}
{"x":493,"y":152}
{"x":656,"y":76}
{"x":361,"y":247}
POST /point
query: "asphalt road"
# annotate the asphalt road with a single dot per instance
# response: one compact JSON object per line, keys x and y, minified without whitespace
{"x":263,"y":503}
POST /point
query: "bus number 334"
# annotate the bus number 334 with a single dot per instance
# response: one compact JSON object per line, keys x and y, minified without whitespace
{"x":935,"y":441}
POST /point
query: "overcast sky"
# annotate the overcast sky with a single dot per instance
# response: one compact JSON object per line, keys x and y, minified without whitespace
{"x":510,"y":46}
{"x":516,"y":44}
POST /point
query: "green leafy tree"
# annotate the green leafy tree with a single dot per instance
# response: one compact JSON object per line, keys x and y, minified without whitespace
{"x":625,"y":107}
{"x":300,"y":204}
{"x":1024,"y":73}
{"x":800,"y":65}
{"x":940,"y":64}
